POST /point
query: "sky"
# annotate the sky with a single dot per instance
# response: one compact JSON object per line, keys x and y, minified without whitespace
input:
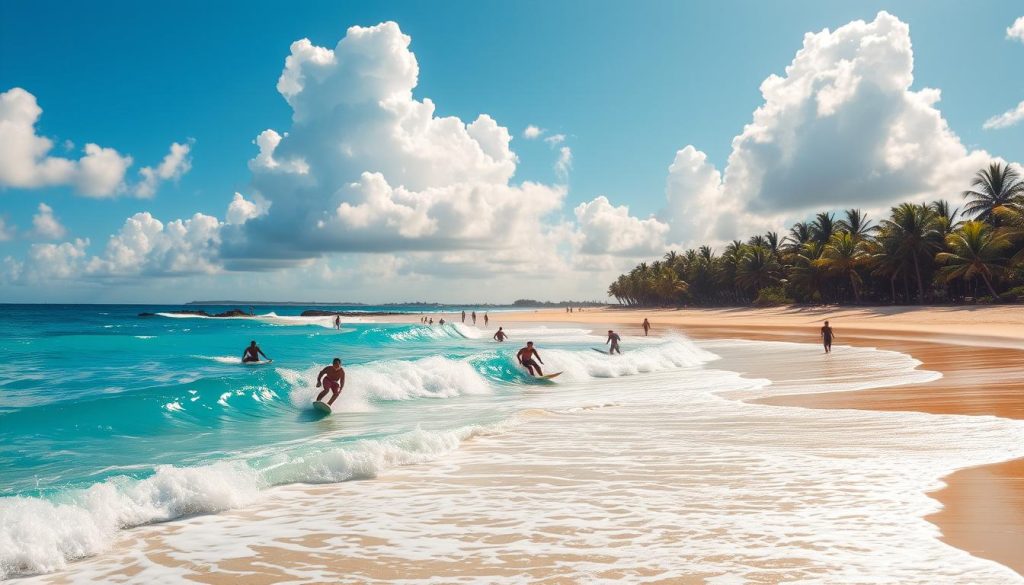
{"x":468,"y":151}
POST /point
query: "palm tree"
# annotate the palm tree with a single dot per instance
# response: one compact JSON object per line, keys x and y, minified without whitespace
{"x":757,"y":269}
{"x":856,"y":224}
{"x":823,"y":226}
{"x":997,"y":186}
{"x":947,"y":217}
{"x":915,"y":230}
{"x":975,"y":250}
{"x":806,"y":273}
{"x":843,"y":255}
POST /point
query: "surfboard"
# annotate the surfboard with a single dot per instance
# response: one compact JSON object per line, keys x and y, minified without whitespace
{"x":322,"y":407}
{"x":260,"y":363}
{"x":549,"y":376}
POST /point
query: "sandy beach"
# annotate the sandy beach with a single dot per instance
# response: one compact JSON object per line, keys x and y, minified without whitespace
{"x":979,"y":350}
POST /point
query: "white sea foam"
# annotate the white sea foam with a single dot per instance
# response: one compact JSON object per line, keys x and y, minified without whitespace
{"x":39,"y":536}
{"x":221,"y":359}
{"x":273,"y":318}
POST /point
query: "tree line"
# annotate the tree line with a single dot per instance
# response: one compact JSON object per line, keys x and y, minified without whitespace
{"x":920,"y":253}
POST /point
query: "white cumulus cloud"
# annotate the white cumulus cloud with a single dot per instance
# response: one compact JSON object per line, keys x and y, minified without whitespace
{"x":1016,"y":30}
{"x":26,"y":161}
{"x":532,"y":132}
{"x":366,"y":167}
{"x":607,"y":229}
{"x":842,"y":127}
{"x":1006,"y":119}
{"x":7,"y":231}
{"x":171,"y":168}
{"x":46,"y":225}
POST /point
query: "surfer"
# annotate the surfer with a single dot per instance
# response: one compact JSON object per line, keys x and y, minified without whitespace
{"x":500,"y":335}
{"x":826,"y":337}
{"x":332,"y":378}
{"x":613,"y":338}
{"x":253,"y":353}
{"x":525,"y":357}
{"x":646,"y":326}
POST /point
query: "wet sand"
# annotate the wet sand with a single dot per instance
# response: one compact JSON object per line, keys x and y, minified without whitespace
{"x":979,"y":350}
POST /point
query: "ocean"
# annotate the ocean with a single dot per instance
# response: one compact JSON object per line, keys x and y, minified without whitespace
{"x":110,"y":421}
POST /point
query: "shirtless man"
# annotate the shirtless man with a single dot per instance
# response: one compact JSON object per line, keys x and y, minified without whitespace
{"x":525,"y":357}
{"x":826,"y":337}
{"x":486,"y":319}
{"x":253,"y":353}
{"x":613,"y":338}
{"x":500,"y":335}
{"x":463,"y":316}
{"x":646,"y":326}
{"x":332,"y":378}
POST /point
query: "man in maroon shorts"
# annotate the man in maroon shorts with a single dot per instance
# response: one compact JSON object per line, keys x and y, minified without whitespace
{"x":332,"y":378}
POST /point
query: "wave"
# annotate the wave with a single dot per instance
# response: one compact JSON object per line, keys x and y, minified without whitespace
{"x":273,"y":318}
{"x":432,"y":377}
{"x":676,"y":353}
{"x":41,"y":535}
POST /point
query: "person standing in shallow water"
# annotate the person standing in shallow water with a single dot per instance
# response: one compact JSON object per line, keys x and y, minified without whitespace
{"x":613,"y":338}
{"x":486,"y":319}
{"x":474,"y":317}
{"x":500,"y":335}
{"x":646,"y":326}
{"x":827,"y":335}
{"x":463,"y":316}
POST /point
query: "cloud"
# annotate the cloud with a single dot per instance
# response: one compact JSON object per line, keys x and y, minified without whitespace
{"x":365,"y":167}
{"x":7,"y":231}
{"x":555,"y":139}
{"x":171,"y":168}
{"x":842,"y":127}
{"x":1006,"y":119}
{"x":1016,"y":30}
{"x":607,"y":229}
{"x":564,"y":163}
{"x":26,"y":163}
{"x":45,"y":225}
{"x":47,"y":262}
{"x":532,"y":132}
{"x":145,"y":245}
{"x":241,"y":210}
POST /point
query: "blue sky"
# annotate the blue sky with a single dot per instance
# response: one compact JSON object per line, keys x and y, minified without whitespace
{"x":629,"y":84}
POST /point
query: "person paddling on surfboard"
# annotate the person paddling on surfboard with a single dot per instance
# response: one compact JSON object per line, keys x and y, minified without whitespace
{"x":332,"y":378}
{"x":613,"y":338}
{"x":253,"y":353}
{"x":500,"y":335}
{"x":525,"y":357}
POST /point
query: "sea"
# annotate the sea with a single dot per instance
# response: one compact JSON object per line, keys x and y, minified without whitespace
{"x":112,"y":422}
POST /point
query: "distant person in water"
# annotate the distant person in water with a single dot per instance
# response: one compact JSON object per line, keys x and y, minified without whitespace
{"x":431,"y":322}
{"x":337,"y":321}
{"x":827,"y":335}
{"x":441,"y":321}
{"x":500,"y":335}
{"x":613,"y":338}
{"x":525,"y":357}
{"x":486,"y":319}
{"x":474,"y":317}
{"x":332,"y":378}
{"x":253,"y":353}
{"x":646,"y":326}
{"x":463,"y":316}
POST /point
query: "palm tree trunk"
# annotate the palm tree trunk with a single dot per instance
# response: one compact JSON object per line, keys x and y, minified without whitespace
{"x":920,"y":284}
{"x":988,"y":283}
{"x":892,"y":287}
{"x":856,"y":293}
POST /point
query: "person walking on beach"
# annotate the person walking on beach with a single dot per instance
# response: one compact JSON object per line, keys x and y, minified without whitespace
{"x":253,"y":353}
{"x":463,"y":316}
{"x":827,"y":336}
{"x":474,"y":317}
{"x":332,"y":378}
{"x":613,"y":338}
{"x":500,"y":335}
{"x":646,"y":326}
{"x":486,"y":319}
{"x":525,"y":357}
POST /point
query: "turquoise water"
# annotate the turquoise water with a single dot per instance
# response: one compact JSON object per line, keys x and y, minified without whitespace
{"x":110,"y":420}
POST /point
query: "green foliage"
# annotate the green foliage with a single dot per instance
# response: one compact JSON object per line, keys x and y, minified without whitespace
{"x":919,"y":253}
{"x":772,"y":296}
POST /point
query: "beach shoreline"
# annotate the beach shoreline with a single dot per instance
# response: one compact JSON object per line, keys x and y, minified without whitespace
{"x":979,"y":351}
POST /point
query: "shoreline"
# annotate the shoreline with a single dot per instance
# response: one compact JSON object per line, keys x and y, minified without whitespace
{"x":979,"y":352}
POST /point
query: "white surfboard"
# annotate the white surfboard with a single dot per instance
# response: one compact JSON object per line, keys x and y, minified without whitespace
{"x":322,"y":407}
{"x":549,"y":376}
{"x":259,"y":363}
